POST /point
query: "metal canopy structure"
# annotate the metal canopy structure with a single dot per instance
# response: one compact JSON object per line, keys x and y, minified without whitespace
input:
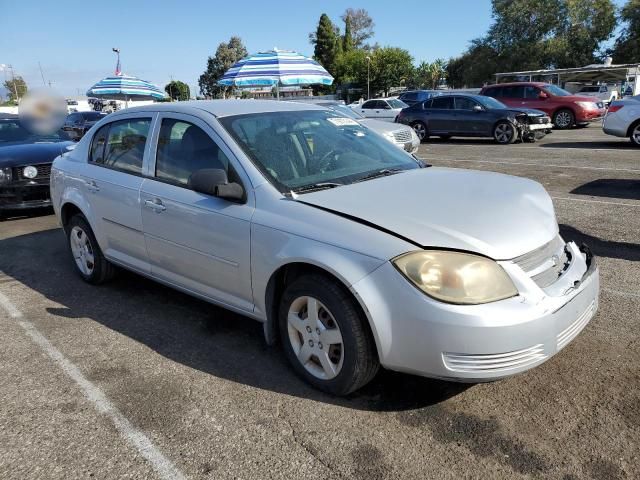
{"x":629,"y":73}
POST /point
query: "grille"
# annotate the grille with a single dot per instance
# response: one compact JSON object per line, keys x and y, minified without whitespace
{"x":542,"y":120}
{"x":545,"y":264}
{"x":44,"y":171}
{"x":576,"y":327}
{"x":495,"y":362}
{"x":402,"y":136}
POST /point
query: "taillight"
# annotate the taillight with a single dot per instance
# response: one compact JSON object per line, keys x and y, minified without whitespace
{"x":614,"y":108}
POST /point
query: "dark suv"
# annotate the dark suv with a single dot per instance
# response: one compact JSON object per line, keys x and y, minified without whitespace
{"x":412,"y":97}
{"x":565,"y":109}
{"x":78,"y":123}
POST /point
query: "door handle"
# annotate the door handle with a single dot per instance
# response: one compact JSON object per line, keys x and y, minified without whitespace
{"x":156,"y":205}
{"x":92,"y":186}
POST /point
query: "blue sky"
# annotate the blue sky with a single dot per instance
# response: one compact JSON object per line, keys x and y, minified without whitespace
{"x":162,"y":39}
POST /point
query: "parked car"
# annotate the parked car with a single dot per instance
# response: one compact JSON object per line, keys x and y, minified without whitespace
{"x":351,"y":252}
{"x":565,"y":109}
{"x":400,"y":135}
{"x":601,"y":92}
{"x":412,"y":97}
{"x":466,"y":115}
{"x":25,"y":163}
{"x":623,"y":119}
{"x":386,"y":109}
{"x":79,"y":123}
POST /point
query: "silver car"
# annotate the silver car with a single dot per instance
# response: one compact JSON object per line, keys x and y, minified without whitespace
{"x":623,"y":119}
{"x":351,"y":252}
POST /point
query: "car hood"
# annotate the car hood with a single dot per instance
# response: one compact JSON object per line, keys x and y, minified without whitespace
{"x":382,"y":127}
{"x":496,"y":215}
{"x":529,"y":111}
{"x":30,"y":153}
{"x":580,"y":98}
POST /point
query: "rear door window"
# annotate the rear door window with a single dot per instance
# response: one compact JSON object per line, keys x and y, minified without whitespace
{"x":369,"y":104}
{"x":513,"y":91}
{"x":493,"y":92}
{"x":442,"y":103}
{"x":120,"y":145}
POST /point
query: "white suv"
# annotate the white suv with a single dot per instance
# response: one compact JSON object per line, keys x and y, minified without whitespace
{"x":599,"y":91}
{"x":623,"y":119}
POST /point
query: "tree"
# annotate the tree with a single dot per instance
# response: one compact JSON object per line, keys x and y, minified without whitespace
{"x":177,"y":90}
{"x":327,"y":43}
{"x":16,"y":88}
{"x":226,"y":55}
{"x":428,"y":75}
{"x":627,"y":46}
{"x":455,"y":72}
{"x":361,"y":25}
{"x":347,"y":39}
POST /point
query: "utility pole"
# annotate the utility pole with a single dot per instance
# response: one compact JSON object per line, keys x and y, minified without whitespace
{"x":368,"y":67}
{"x":41,"y":74}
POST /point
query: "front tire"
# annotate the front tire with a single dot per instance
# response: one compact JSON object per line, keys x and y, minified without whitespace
{"x":505,"y":133}
{"x":421,"y":131}
{"x":325,"y":337}
{"x":564,"y":119}
{"x":88,"y":258}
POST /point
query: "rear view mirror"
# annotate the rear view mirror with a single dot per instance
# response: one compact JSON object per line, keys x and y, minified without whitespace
{"x":214,"y":181}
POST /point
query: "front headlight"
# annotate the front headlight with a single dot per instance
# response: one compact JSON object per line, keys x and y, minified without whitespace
{"x":454,"y":277}
{"x":5,"y":175}
{"x":588,"y":105}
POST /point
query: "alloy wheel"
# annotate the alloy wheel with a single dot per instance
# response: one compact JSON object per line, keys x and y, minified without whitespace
{"x":82,"y":250}
{"x":563,"y":119}
{"x":503,"y":133}
{"x":635,"y":135}
{"x":420,"y":130}
{"x":315,"y":337}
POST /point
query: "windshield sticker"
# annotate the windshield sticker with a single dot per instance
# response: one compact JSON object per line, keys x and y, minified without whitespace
{"x":343,"y":122}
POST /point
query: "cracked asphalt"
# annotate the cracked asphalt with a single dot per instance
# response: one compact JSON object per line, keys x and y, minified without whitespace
{"x":202,"y":386}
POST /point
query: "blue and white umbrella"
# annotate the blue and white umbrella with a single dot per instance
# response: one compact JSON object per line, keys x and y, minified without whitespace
{"x":125,"y":87}
{"x":276,"y":67}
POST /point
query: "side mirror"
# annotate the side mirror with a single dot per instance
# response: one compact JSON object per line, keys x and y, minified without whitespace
{"x":543,"y":96}
{"x":214,"y":181}
{"x":478,"y":108}
{"x":387,"y":107}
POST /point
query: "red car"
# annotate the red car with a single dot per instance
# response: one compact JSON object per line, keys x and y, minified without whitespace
{"x":564,"y":108}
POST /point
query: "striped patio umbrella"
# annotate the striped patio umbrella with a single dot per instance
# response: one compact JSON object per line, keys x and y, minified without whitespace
{"x":125,"y":87}
{"x":276,"y":67}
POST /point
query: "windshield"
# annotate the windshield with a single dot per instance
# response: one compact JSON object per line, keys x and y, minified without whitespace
{"x":344,"y":110}
{"x":299,"y":149}
{"x":12,"y":131}
{"x":557,"y":91}
{"x":490,"y":102}
{"x":395,"y":103}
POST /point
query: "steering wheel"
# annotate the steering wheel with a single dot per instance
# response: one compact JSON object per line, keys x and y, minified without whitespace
{"x":327,"y":160}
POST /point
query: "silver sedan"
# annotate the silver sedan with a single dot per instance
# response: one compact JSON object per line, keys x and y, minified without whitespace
{"x":352,"y":253}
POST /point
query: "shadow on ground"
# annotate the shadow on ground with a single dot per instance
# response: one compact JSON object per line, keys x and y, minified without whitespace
{"x":592,"y":145}
{"x":610,"y":188}
{"x":190,"y":331}
{"x":602,"y":248}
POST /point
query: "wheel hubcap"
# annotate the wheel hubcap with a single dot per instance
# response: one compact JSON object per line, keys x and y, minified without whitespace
{"x":563,"y":119}
{"x":82,"y":250}
{"x":315,"y":337}
{"x":635,"y":135}
{"x":503,"y":133}
{"x":420,"y":130}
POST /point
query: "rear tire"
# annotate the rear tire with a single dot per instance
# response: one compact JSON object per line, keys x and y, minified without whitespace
{"x":505,"y":133}
{"x":564,"y":119}
{"x":421,"y":131}
{"x":634,"y":134}
{"x":325,"y":336}
{"x":88,"y":258}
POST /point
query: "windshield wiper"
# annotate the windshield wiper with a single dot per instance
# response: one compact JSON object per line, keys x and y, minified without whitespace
{"x":317,"y":186}
{"x":380,"y":173}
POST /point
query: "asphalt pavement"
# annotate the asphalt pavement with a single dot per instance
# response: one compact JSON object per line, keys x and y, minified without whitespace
{"x":134,"y":380}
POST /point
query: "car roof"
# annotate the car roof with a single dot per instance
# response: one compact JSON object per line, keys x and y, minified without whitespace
{"x":513,"y":84}
{"x":223,"y":108}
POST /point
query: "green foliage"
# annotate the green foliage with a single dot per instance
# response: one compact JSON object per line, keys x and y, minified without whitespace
{"x":536,"y":34}
{"x":428,"y":75}
{"x":177,"y":90}
{"x":327,"y":43}
{"x":627,"y":46}
{"x":347,"y":39}
{"x":360,"y":25}
{"x":226,"y":55}
{"x":16,"y":88}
